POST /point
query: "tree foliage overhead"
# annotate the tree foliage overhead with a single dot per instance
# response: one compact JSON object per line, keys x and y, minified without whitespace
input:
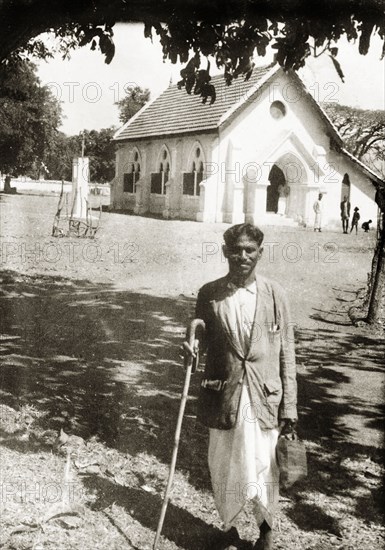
{"x":29,"y":118}
{"x":363,"y":132}
{"x":229,"y":30}
{"x":136,"y":97}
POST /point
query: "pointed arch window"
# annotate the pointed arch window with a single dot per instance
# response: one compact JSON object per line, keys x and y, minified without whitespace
{"x":193,"y":179}
{"x":162,"y":176}
{"x":131,"y":177}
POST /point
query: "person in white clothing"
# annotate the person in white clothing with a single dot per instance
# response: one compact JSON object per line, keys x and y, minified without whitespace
{"x":318,"y":208}
{"x":248,"y":391}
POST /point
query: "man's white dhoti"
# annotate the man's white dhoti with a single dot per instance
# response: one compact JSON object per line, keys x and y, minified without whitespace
{"x":318,"y":209}
{"x":243,"y":466}
{"x":281,"y":206}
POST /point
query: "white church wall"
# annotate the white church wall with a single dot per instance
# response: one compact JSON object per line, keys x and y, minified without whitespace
{"x":257,"y":140}
{"x":188,"y":205}
{"x":173,"y":204}
{"x":258,"y":131}
{"x":362,"y":190}
{"x":119,"y":199}
{"x":211,"y":187}
{"x":250,"y":141}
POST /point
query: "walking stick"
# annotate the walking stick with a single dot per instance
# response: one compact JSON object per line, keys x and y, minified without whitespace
{"x":190,"y":364}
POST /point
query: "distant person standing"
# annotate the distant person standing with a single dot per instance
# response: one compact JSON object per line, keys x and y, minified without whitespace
{"x":355,"y":219}
{"x":318,"y":208}
{"x":283,"y":194}
{"x":366,"y":226}
{"x":345,"y":214}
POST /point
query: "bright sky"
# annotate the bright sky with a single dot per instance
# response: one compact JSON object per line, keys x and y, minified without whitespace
{"x":88,"y":87}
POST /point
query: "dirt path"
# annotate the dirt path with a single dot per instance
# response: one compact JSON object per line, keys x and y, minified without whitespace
{"x":91,"y":335}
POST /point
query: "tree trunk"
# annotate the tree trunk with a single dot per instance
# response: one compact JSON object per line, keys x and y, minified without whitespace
{"x":373,"y":270}
{"x":375,"y":313}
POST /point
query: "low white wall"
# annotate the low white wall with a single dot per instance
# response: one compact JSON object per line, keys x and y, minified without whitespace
{"x":36,"y":187}
{"x":53,"y":187}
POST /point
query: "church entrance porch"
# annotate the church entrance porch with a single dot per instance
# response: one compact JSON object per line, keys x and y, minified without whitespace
{"x":280,"y":194}
{"x":288,"y":190}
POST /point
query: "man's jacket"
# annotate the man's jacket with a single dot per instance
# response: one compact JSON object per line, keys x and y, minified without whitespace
{"x":268,"y":362}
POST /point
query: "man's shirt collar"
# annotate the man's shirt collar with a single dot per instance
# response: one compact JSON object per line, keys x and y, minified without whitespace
{"x":251,"y":287}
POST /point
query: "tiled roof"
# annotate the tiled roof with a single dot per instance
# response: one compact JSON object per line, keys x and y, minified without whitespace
{"x":175,"y":111}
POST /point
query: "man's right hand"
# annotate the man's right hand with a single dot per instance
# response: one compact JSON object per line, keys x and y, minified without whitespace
{"x":190,"y":351}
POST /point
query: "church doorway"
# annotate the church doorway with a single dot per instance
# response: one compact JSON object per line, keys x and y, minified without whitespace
{"x":277,"y":181}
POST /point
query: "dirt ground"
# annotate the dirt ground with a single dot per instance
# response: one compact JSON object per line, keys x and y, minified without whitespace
{"x":90,"y":343}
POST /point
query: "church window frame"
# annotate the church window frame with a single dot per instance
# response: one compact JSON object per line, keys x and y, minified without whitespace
{"x":132,"y":176}
{"x":192,"y":179}
{"x":161,"y":177}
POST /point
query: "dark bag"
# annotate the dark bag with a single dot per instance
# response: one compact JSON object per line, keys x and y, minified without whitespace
{"x":292,"y":462}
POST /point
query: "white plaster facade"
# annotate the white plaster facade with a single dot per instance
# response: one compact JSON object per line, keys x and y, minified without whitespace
{"x":276,"y":124}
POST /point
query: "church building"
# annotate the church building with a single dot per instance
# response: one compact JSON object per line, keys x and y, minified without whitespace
{"x":261,"y":153}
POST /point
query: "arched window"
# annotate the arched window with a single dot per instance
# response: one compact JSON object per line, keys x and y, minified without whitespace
{"x":161,"y":177}
{"x":193,"y":179}
{"x":132,"y":176}
{"x":277,"y":110}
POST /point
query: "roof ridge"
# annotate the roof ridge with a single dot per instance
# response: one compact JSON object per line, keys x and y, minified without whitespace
{"x":362,"y":164}
{"x":221,"y":77}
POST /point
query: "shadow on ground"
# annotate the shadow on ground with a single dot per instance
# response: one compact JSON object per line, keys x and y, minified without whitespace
{"x":107,"y":363}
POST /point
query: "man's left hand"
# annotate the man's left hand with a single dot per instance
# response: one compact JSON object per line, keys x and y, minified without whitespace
{"x":288,"y":429}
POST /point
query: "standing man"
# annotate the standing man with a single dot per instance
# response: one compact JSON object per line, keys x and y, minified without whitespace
{"x":345,"y":214}
{"x":355,"y":219}
{"x":283,"y":195}
{"x":248,"y":392}
{"x":318,"y":208}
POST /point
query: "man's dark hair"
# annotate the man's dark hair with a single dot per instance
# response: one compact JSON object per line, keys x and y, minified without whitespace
{"x":232,"y":234}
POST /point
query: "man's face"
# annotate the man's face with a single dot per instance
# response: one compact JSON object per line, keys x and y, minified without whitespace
{"x":242,"y":256}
